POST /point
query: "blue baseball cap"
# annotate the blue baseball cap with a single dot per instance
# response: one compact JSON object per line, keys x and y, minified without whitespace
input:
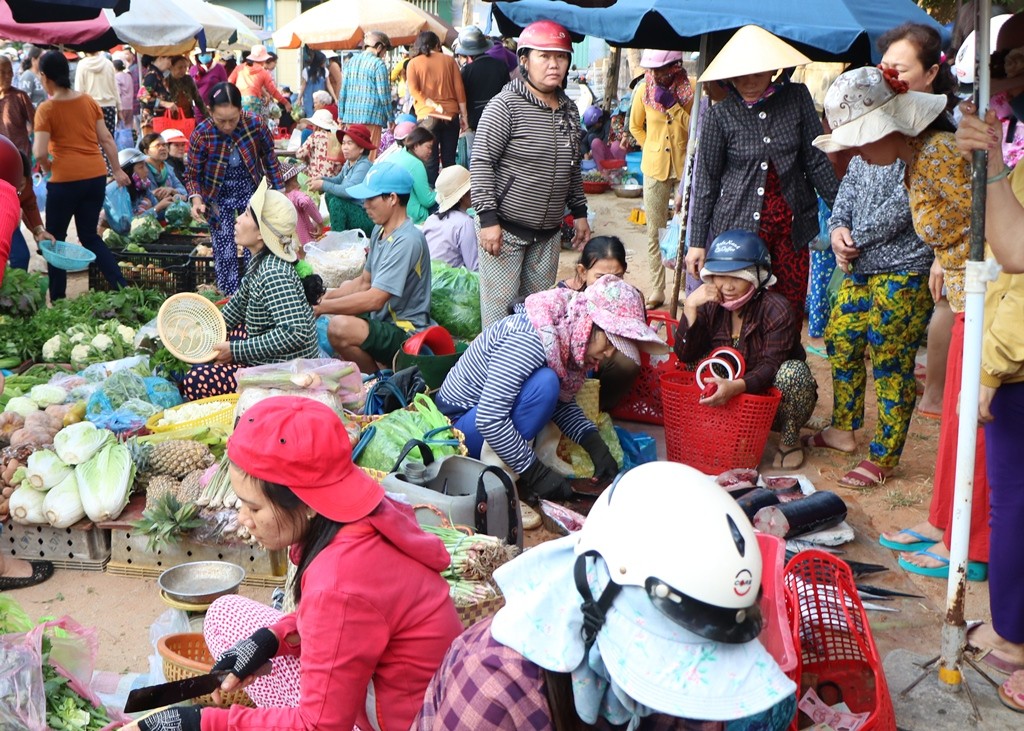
{"x":383,"y":178}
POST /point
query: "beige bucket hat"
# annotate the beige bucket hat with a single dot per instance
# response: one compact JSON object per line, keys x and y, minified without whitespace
{"x":862,"y":107}
{"x":323,"y":119}
{"x":452,"y":183}
{"x":752,"y":50}
{"x":276,"y":218}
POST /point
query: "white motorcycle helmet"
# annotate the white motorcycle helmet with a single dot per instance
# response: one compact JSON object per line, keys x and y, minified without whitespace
{"x":672,"y":530}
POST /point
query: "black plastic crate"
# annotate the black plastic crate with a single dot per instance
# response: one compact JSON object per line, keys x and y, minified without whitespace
{"x":205,"y":272}
{"x":169,"y":273}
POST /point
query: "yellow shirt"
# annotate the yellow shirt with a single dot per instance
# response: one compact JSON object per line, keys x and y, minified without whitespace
{"x":662,"y":136}
{"x":939,"y":186}
{"x":1002,"y":349}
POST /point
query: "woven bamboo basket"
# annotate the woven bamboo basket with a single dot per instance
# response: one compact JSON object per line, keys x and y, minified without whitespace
{"x":186,"y":656}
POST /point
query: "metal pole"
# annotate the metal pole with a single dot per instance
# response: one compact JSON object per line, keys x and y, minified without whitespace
{"x":954,"y":634}
{"x":684,"y":205}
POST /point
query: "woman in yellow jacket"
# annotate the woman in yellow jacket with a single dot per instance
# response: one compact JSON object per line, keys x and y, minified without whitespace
{"x":659,"y":120}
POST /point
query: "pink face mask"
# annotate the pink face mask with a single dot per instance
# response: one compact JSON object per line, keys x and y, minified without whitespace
{"x":735,"y":304}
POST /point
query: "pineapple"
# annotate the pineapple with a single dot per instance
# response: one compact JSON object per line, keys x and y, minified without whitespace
{"x":190,"y":488}
{"x":178,"y":457}
{"x":139,"y":452}
{"x":158,"y":487}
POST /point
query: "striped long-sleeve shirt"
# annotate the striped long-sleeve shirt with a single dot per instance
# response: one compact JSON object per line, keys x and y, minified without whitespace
{"x":490,"y":376}
{"x":526,"y":162}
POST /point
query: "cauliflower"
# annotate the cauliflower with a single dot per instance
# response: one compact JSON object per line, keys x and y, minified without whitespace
{"x":77,"y":337}
{"x":101,"y":342}
{"x":80,"y":354}
{"x":127,"y":334}
{"x":52,"y":347}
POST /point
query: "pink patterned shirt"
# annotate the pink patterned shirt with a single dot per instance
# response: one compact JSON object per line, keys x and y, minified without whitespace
{"x":314,"y":153}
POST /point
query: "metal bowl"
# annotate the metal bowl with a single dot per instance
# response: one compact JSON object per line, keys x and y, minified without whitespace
{"x":628,"y":191}
{"x":200,"y":582}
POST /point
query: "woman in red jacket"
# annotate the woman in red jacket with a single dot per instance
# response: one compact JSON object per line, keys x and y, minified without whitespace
{"x":374,"y":619}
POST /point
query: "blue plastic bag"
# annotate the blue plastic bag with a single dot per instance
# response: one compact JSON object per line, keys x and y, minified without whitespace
{"x":123,"y":138}
{"x":117,"y":205}
{"x":637,"y":448}
{"x":39,"y":188}
{"x":669,"y":242}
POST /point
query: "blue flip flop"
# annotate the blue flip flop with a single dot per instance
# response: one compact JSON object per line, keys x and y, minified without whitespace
{"x":921,"y":542}
{"x":976,"y":570}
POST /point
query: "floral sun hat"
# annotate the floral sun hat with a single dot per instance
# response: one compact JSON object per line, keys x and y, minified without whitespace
{"x":866,"y":104}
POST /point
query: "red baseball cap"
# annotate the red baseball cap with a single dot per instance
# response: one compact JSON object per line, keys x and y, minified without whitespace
{"x":302,"y":444}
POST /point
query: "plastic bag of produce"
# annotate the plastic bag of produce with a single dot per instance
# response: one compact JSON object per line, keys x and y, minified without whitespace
{"x":339,"y":256}
{"x":338,"y":377}
{"x":391,"y":432}
{"x":161,"y":392}
{"x":455,"y":300}
{"x":178,"y":214}
{"x":22,"y":699}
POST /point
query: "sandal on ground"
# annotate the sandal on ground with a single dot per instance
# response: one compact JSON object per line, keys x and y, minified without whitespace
{"x":922,"y":541}
{"x":976,"y":570}
{"x":863,"y":477}
{"x":779,"y":461}
{"x":1010,"y":697}
{"x":41,"y":571}
{"x":986,"y":655}
{"x":817,"y":441}
{"x":655,"y":301}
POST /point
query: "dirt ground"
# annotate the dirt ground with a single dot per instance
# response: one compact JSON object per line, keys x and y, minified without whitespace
{"x":124,"y":608}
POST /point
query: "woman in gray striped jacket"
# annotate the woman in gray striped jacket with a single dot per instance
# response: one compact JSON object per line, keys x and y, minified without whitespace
{"x":525,"y":172}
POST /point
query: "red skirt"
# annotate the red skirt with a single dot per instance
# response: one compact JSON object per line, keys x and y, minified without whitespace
{"x":940,"y":513}
{"x":791,"y":267}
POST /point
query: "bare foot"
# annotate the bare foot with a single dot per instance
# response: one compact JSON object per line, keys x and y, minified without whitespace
{"x":929,"y":404}
{"x":984,"y":637}
{"x":831,"y":438}
{"x":788,"y":457}
{"x":925,"y":528}
{"x":15,"y":568}
{"x":927,"y":562}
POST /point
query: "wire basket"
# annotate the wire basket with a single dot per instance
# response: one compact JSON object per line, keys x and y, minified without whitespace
{"x":643,"y":402}
{"x":837,"y":652}
{"x":714,"y":439}
{"x":69,"y":257}
{"x":187,"y":656}
{"x":224,"y":418}
{"x":189,"y":326}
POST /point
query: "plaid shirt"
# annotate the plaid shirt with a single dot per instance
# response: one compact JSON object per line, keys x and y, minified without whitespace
{"x":270,"y":302}
{"x":210,"y":151}
{"x":484,"y":686}
{"x":768,"y":338}
{"x":365,"y":96}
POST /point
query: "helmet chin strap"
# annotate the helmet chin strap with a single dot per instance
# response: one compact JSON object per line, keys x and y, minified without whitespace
{"x":594,"y":610}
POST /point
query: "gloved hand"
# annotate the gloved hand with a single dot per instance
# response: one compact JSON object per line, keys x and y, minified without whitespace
{"x":540,"y":481}
{"x":179,"y":718}
{"x":604,"y":463}
{"x":249,"y":655}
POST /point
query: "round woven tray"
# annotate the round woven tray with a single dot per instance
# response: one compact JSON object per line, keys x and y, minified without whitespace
{"x":189,"y":326}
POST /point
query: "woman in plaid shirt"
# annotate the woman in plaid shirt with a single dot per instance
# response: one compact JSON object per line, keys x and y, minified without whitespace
{"x":271,"y":315}
{"x":231,"y":151}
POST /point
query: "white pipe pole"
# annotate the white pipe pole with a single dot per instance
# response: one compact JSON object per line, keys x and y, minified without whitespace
{"x":954,"y":634}
{"x":684,"y":204}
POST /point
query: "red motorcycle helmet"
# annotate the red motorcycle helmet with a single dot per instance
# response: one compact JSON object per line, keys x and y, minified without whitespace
{"x":545,"y":35}
{"x":12,"y":168}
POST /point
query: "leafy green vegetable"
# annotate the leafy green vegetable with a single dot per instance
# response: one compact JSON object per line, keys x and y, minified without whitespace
{"x":22,"y":293}
{"x":178,"y":214}
{"x":65,"y":709}
{"x":166,"y":365}
{"x":455,"y":300}
{"x":114,"y":240}
{"x":393,"y":430}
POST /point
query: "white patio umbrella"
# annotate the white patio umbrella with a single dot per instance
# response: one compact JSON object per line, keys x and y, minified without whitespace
{"x":216,"y":24}
{"x":247,"y":33}
{"x":339,"y":24}
{"x":156,"y":27}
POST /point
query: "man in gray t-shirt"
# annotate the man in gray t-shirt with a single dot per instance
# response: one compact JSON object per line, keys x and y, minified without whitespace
{"x":367,"y":319}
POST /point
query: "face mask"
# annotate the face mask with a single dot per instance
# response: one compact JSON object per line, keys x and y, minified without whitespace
{"x":735,"y":304}
{"x":166,"y":73}
{"x":665,"y":97}
{"x":205,"y":58}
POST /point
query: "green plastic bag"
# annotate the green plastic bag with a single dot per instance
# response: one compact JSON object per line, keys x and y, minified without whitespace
{"x":455,"y":300}
{"x":392,"y":431}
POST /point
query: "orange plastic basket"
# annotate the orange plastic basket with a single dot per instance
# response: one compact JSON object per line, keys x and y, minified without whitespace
{"x":186,"y":656}
{"x":838,"y":656}
{"x":714,"y":439}
{"x":643,"y":402}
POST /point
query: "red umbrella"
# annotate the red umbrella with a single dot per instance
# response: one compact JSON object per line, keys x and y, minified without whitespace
{"x":86,"y":35}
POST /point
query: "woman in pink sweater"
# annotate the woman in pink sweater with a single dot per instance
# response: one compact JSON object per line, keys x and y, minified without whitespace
{"x":374,"y":618}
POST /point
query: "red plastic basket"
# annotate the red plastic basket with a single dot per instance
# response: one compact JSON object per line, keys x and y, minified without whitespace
{"x":714,"y":439}
{"x":838,"y":656}
{"x":643,"y":402}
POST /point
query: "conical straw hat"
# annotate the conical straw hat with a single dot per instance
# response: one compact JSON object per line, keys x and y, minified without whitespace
{"x":752,"y":50}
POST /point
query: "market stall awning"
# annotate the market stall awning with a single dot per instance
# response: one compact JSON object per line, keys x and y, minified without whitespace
{"x":339,"y":24}
{"x":51,"y":11}
{"x":831,"y":30}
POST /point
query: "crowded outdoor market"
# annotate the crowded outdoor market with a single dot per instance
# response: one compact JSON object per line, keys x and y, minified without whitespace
{"x":534,"y":365}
